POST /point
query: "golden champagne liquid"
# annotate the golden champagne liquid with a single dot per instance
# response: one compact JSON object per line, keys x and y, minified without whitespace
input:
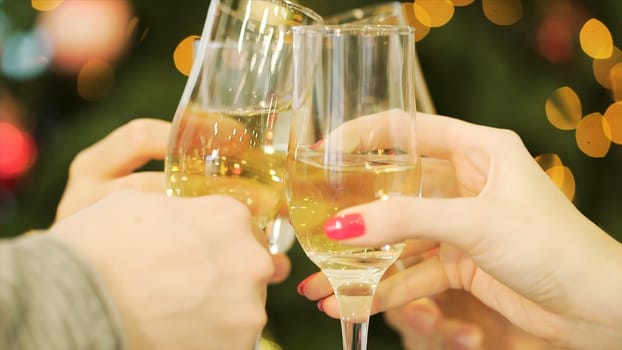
{"x":316,"y":191}
{"x":229,"y":153}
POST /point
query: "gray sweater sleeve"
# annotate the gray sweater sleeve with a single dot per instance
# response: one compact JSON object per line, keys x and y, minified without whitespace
{"x":50,"y":300}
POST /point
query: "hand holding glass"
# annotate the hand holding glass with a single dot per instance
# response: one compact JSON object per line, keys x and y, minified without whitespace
{"x":352,"y":141}
{"x":229,"y":134}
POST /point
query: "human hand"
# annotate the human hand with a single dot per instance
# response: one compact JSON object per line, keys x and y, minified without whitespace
{"x":110,"y":165}
{"x":183,"y":273}
{"x":504,"y":245}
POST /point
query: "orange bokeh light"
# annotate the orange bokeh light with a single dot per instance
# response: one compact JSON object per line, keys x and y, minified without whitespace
{"x":95,"y":80}
{"x":184,"y":54}
{"x":613,"y":118}
{"x":563,"y":109}
{"x":591,"y":136}
{"x":421,"y":30}
{"x":503,"y":13}
{"x":595,"y":39}
{"x":563,"y":178}
{"x":602,"y":67}
{"x":462,"y":2}
{"x":616,"y":81}
{"x":45,"y":5}
{"x":433,"y":13}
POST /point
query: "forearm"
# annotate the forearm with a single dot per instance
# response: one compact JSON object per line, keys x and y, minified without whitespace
{"x":49,"y":300}
{"x":597,"y":295}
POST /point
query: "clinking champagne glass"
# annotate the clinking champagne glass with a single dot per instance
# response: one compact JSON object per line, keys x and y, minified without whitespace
{"x":229,"y":134}
{"x":389,"y":13}
{"x":352,"y":141}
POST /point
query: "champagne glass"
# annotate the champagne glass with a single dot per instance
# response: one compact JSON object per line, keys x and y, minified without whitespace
{"x":229,"y":134}
{"x":389,"y":13}
{"x":352,"y":141}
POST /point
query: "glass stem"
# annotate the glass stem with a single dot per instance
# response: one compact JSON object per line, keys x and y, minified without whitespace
{"x":354,"y":334}
{"x":354,"y":311}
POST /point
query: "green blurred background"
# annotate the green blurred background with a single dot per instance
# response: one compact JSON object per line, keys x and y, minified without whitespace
{"x":476,"y":70}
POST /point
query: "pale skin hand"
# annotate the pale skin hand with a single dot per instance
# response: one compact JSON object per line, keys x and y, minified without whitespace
{"x":518,"y":245}
{"x":110,"y":165}
{"x":183,"y":273}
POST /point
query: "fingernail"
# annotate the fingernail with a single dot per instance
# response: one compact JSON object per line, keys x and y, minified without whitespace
{"x":320,"y":305}
{"x":301,"y":286}
{"x":344,"y":227}
{"x":468,"y":339}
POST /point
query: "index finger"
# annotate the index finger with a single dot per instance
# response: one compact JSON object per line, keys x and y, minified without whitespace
{"x":123,"y":150}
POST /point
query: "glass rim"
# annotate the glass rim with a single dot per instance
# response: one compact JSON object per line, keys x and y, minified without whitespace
{"x":350,"y":29}
{"x":307,"y":11}
{"x":361,"y":13}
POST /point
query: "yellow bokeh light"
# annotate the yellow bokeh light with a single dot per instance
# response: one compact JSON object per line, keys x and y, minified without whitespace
{"x":45,"y":5}
{"x":184,"y":54}
{"x":462,"y":2}
{"x":548,"y":160}
{"x":95,"y":80}
{"x":613,"y":118}
{"x":563,"y":178}
{"x":503,"y":12}
{"x":421,"y":30}
{"x":602,"y":68}
{"x":591,"y":136}
{"x":438,"y":11}
{"x":616,"y":82}
{"x":265,"y":344}
{"x":563,"y":108}
{"x":596,"y":40}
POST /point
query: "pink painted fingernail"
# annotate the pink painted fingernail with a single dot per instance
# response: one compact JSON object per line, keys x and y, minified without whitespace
{"x":301,"y":286}
{"x":320,"y":305}
{"x":344,"y":227}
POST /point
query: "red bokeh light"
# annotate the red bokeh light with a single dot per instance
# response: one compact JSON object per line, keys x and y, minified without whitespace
{"x":555,"y":40}
{"x":557,"y":35}
{"x":17,"y":151}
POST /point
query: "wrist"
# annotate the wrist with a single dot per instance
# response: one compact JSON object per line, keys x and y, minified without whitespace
{"x":597,"y":289}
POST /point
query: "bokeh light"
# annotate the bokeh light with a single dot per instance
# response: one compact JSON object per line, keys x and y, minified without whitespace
{"x":45,"y":5}
{"x":433,"y":13}
{"x":554,"y":40}
{"x":462,"y":2}
{"x":184,"y":54}
{"x":421,"y":30}
{"x":564,"y":179}
{"x":24,"y":55}
{"x":613,"y":118}
{"x":563,"y":108}
{"x":548,"y":160}
{"x":595,"y":39}
{"x":616,"y":81}
{"x":602,"y":68}
{"x":561,"y":175}
{"x":503,"y":13}
{"x":81,"y":30}
{"x":17,"y":151}
{"x":591,"y":136}
{"x":95,"y":80}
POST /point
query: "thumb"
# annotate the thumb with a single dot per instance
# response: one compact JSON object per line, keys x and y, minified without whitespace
{"x":460,"y":221}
